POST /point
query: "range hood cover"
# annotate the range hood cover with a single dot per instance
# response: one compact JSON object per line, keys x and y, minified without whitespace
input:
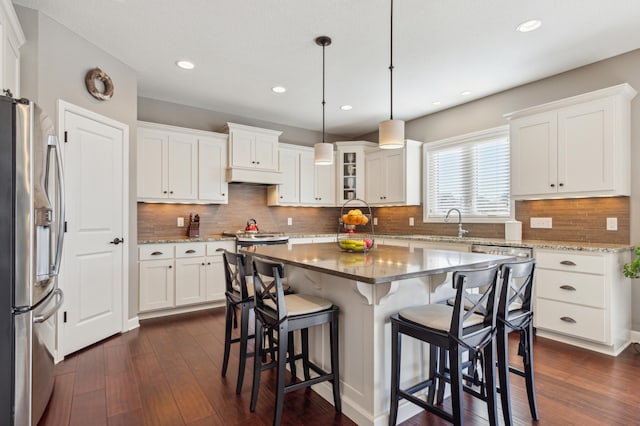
{"x":261,"y":177}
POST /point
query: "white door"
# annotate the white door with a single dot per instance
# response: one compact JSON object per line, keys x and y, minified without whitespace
{"x":93,"y":276}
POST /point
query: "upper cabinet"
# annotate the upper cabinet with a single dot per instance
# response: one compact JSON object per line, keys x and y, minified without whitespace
{"x":304,"y":183}
{"x":12,"y":38}
{"x":177,"y":164}
{"x":393,"y":176}
{"x":350,"y":172}
{"x":579,"y":146}
{"x":253,"y":155}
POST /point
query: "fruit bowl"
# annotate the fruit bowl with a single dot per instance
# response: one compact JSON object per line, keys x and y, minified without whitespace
{"x":355,"y":227}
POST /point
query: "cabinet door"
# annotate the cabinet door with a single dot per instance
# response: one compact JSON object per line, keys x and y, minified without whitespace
{"x":394,"y":176}
{"x":325,"y":184}
{"x":350,"y":175}
{"x":156,"y":284}
{"x":534,"y":147}
{"x":11,"y":60}
{"x":289,"y":191}
{"x":265,"y":148}
{"x":374,"y":182}
{"x":586,"y":147}
{"x":183,"y":167}
{"x":212,"y":162}
{"x":152,"y":164}
{"x":190,"y":281}
{"x":215,"y":284}
{"x":241,"y":146}
{"x":307,"y":179}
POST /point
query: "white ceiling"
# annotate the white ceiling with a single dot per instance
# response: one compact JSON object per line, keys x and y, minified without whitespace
{"x":242,"y":48}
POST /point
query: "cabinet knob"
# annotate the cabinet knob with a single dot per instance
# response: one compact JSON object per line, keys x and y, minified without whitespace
{"x":170,"y":266}
{"x":164,"y":192}
{"x":257,"y":162}
{"x":202,"y":263}
{"x":568,"y":319}
{"x":561,"y":184}
{"x":553,"y":185}
{"x":224,"y":195}
{"x":208,"y":263}
{"x":170,"y":192}
{"x":253,"y":162}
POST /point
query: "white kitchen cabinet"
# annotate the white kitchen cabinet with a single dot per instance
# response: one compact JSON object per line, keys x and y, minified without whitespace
{"x":252,"y":147}
{"x":317,"y":183}
{"x":212,"y":162}
{"x":578,"y":146}
{"x":12,"y":38}
{"x":287,"y":193}
{"x":350,"y":169}
{"x":305,"y":183}
{"x":393,"y":176}
{"x":181,"y":277}
{"x":582,"y":298}
{"x":177,"y":164}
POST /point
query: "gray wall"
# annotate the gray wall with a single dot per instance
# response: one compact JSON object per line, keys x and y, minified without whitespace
{"x":53,"y":63}
{"x":487,"y":112}
{"x":157,"y":111}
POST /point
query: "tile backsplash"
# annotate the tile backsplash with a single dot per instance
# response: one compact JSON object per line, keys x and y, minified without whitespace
{"x":582,"y":220}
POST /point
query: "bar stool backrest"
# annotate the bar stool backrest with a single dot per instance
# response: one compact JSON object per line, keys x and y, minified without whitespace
{"x":269,"y":295}
{"x":517,"y":289}
{"x":234,"y":273}
{"x":476,"y":290}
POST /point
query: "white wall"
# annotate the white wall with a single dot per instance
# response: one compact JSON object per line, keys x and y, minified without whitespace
{"x":54,"y":61}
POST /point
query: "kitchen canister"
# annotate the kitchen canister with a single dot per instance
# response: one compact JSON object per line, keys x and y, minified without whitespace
{"x":513,"y":230}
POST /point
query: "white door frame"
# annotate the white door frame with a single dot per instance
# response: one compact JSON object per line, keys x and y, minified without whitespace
{"x":64,"y":107}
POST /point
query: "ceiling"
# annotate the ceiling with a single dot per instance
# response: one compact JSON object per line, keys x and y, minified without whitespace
{"x":242,"y":48}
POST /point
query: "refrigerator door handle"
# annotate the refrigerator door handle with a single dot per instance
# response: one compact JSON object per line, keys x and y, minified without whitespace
{"x":52,"y":143}
{"x":47,"y":314}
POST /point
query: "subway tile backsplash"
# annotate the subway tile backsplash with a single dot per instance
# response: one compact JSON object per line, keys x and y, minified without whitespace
{"x":582,"y":220}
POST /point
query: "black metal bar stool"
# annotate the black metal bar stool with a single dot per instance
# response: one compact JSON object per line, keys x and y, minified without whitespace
{"x":450,"y":330}
{"x":283,"y":314}
{"x":515,"y":314}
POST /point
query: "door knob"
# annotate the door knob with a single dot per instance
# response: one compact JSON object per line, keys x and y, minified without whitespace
{"x":116,"y":241}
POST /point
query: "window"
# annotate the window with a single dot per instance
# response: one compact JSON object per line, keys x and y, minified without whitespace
{"x":469,"y":173}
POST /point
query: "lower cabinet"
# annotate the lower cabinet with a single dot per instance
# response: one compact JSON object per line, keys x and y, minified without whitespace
{"x":582,"y":298}
{"x":183,"y":274}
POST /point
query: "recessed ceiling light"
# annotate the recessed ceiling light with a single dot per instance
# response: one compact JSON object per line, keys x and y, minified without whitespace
{"x":437,"y":102}
{"x":346,"y":107}
{"x":185,"y":65}
{"x":465,"y":93}
{"x":278,"y":89}
{"x":528,"y":26}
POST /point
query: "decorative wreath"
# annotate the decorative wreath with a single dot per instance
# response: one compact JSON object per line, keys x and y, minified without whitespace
{"x":90,"y":82}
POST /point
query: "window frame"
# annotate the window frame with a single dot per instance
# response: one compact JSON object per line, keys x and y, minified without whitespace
{"x":464,"y":139}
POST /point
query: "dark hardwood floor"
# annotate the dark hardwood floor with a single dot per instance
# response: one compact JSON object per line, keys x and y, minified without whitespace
{"x":167,"y":372}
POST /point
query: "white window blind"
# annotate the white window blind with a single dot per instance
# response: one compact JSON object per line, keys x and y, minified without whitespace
{"x":469,"y":173}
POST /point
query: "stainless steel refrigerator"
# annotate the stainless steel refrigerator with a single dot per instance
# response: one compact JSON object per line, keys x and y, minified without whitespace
{"x":31,"y":237}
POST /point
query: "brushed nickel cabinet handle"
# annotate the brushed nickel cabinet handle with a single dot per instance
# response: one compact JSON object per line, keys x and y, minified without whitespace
{"x":568,"y":287}
{"x":190,"y":251}
{"x":156,"y":253}
{"x":568,"y":319}
{"x":567,"y":263}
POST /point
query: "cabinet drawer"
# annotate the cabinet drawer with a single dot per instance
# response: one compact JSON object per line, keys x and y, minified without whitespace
{"x":190,"y":250}
{"x":571,"y":287}
{"x":155,"y":251}
{"x":212,"y":247}
{"x":565,"y":318}
{"x":570,"y":261}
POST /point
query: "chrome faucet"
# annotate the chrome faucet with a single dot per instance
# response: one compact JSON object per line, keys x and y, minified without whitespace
{"x":461,"y":231}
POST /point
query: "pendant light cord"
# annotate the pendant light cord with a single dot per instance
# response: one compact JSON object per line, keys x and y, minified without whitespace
{"x":323,"y":102}
{"x":391,"y":64}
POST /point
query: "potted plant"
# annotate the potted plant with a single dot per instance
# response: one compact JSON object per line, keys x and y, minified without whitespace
{"x":632,"y":269}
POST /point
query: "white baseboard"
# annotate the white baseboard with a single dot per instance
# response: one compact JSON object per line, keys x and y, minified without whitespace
{"x":635,"y":336}
{"x":132,"y":323}
{"x":180,"y":310}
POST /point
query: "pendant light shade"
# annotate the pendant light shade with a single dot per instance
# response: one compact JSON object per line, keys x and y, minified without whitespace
{"x":323,"y":152}
{"x":391,"y":132}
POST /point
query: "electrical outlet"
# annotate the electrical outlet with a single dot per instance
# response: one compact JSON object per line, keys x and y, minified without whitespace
{"x":180,"y":222}
{"x":289,"y":221}
{"x":375,"y":221}
{"x":411,"y":221}
{"x":612,"y":224}
{"x":541,"y":222}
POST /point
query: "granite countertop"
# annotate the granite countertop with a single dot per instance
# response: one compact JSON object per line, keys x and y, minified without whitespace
{"x":380,"y":265}
{"x":539,"y":244}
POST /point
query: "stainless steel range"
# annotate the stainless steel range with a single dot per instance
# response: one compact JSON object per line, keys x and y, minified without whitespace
{"x":248,"y":239}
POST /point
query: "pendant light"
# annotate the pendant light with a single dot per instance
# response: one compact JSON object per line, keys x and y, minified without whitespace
{"x":323,"y":152}
{"x":391,"y":132}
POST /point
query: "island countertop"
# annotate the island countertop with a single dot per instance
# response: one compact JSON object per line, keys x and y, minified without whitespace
{"x":379,"y":265}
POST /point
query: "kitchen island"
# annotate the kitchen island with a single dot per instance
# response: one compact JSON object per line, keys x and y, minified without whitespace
{"x":368,"y":288}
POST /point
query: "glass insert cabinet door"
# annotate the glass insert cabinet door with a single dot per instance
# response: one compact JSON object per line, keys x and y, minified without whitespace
{"x":350,"y":175}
